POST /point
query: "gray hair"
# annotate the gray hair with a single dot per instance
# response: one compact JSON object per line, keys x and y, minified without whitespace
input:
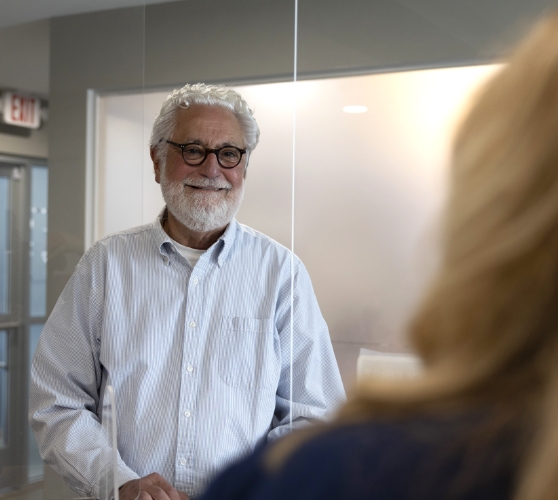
{"x":209,"y":95}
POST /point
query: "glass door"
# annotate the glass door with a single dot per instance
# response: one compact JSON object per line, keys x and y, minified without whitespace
{"x":23,"y":257}
{"x":13,"y":445}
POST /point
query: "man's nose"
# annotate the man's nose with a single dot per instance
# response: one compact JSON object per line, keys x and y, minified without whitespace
{"x":210,"y":166}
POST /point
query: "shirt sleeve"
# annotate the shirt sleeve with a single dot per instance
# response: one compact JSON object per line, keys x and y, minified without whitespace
{"x":317,"y":389}
{"x":65,"y":405}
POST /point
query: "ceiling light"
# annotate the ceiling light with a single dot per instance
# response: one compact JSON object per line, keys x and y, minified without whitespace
{"x":355,"y":109}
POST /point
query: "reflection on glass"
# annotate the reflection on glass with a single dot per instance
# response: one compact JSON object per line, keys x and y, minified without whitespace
{"x":4,"y":243}
{"x":3,"y":388}
{"x":38,"y":241}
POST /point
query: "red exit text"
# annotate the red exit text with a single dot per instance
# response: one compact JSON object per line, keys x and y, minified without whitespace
{"x":22,"y":110}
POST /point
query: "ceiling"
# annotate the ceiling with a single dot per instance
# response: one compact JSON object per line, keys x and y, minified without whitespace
{"x":24,"y":11}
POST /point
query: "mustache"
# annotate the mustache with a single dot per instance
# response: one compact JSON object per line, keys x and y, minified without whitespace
{"x":207,"y":183}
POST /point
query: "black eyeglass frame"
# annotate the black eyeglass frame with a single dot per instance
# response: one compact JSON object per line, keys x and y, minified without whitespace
{"x":208,"y":151}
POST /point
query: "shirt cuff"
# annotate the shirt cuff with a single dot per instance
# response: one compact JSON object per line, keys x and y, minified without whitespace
{"x":124,"y":473}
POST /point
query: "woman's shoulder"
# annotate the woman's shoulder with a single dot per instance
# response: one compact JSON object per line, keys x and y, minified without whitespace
{"x":410,"y":458}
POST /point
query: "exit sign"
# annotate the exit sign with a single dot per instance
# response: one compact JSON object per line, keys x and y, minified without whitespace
{"x":21,"y":110}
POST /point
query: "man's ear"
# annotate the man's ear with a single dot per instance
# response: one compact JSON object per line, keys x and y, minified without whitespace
{"x":156,"y":163}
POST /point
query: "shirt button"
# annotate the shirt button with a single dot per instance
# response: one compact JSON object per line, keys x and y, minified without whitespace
{"x":187,"y":413}
{"x":195,"y":281}
{"x":182,"y":461}
{"x":190,"y":368}
{"x":192,"y":324}
{"x":165,"y":259}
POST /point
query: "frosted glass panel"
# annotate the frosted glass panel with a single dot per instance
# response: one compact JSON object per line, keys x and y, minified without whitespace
{"x":369,"y":190}
{"x":38,"y":241}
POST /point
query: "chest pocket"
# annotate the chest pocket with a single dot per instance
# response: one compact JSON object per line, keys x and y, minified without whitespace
{"x":248,"y":353}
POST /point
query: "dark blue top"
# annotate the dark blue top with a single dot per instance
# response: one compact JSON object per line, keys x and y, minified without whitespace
{"x":408,"y":459}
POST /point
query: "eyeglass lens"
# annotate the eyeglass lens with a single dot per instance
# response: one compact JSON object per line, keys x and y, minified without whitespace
{"x":195,"y":154}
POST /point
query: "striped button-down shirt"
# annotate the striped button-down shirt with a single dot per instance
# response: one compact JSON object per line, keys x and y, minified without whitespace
{"x":199,"y":357}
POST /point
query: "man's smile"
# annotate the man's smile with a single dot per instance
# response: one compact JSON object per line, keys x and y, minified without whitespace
{"x":203,"y":186}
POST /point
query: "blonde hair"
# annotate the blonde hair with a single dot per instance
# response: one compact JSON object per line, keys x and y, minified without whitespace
{"x":488,"y":328}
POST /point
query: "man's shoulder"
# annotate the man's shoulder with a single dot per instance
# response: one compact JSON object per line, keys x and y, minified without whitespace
{"x":128,"y":238}
{"x":263,"y":248}
{"x":127,"y":234}
{"x":255,"y":237}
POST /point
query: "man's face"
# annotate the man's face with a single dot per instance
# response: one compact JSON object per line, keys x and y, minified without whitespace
{"x":205,"y":197}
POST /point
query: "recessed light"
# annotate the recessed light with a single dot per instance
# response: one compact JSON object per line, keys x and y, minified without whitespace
{"x":355,"y":109}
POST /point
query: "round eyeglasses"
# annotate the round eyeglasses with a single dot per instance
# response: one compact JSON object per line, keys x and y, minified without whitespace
{"x":195,"y":154}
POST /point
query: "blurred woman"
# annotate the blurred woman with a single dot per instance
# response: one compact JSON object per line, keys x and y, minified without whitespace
{"x":482,"y":422}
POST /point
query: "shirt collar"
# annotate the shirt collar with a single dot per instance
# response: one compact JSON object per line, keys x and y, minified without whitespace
{"x":160,"y":238}
{"x":220,"y":248}
{"x":227,"y":239}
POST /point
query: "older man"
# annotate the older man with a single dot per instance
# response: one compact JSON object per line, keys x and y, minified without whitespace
{"x":189,"y":319}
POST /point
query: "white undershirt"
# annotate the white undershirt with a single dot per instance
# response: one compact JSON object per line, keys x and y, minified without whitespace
{"x":192,"y":254}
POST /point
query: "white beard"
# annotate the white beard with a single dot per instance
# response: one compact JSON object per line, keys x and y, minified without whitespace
{"x":201,"y":210}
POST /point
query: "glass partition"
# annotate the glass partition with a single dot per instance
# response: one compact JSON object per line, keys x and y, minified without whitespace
{"x":229,"y":366}
{"x":356,"y":101}
{"x":110,"y":72}
{"x":43,"y":205}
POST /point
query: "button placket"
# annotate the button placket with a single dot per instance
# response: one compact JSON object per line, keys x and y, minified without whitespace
{"x":194,"y":327}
